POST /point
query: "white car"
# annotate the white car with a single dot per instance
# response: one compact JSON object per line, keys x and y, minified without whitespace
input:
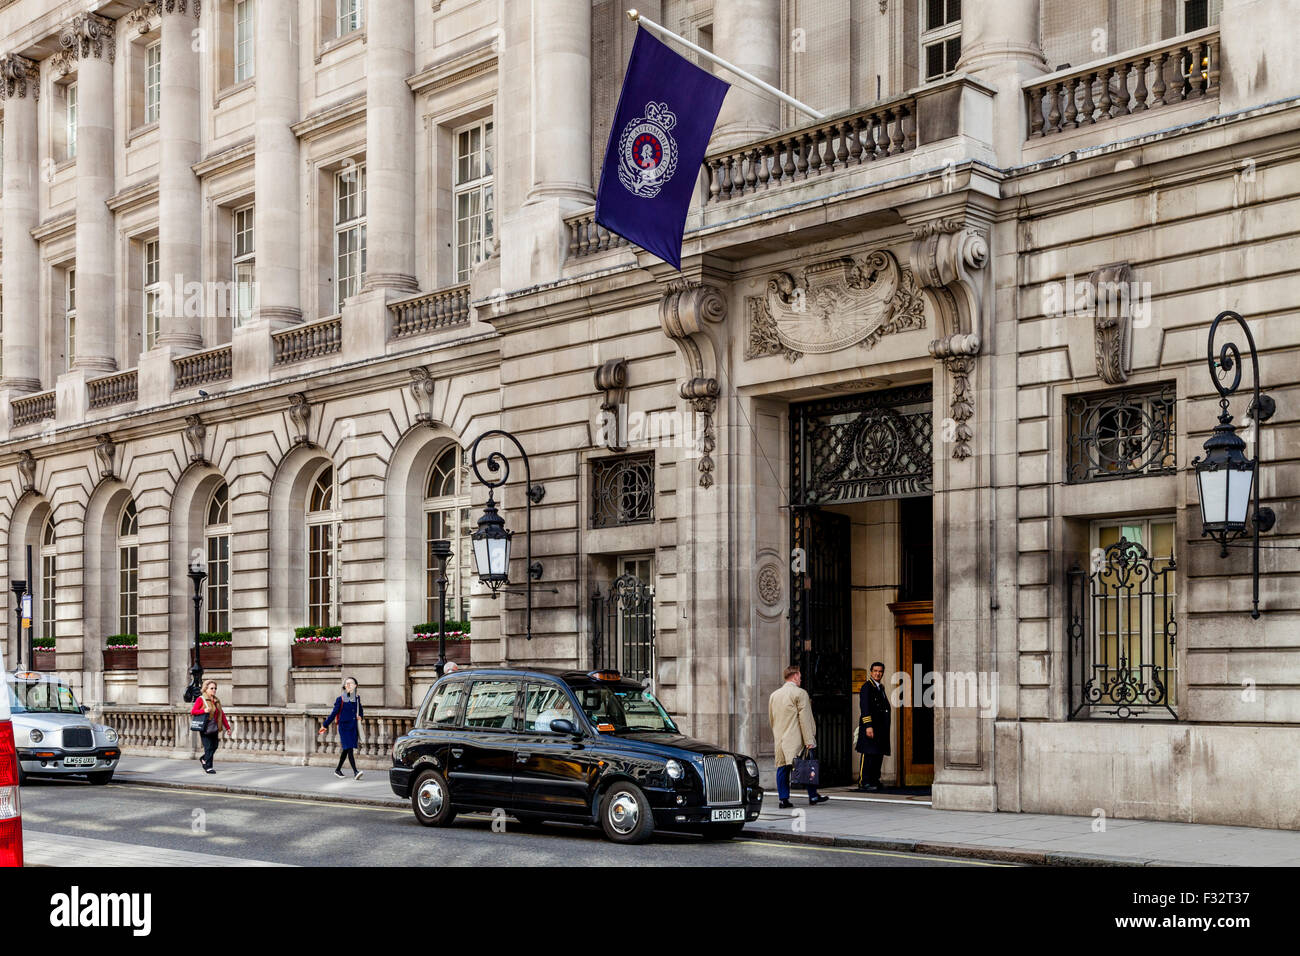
{"x":52,"y":733}
{"x":11,"y":818}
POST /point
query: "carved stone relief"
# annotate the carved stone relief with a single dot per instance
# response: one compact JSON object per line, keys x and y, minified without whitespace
{"x":611,"y":378}
{"x":18,"y":75}
{"x":27,"y":470}
{"x":689,"y":313}
{"x":300,"y":415}
{"x":422,"y":387}
{"x":106,"y":455}
{"x":1109,"y":291}
{"x":195,"y":435}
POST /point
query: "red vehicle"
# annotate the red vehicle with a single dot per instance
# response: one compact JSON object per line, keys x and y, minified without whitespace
{"x":11,"y":820}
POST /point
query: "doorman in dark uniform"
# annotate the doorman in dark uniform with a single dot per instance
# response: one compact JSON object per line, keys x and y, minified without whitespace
{"x":873,"y":729}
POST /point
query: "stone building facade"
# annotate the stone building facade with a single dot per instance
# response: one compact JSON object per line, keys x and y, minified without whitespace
{"x":269,"y":269}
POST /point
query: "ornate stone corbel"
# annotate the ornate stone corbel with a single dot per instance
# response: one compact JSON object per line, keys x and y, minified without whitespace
{"x":27,"y":470}
{"x":62,"y":63}
{"x":611,"y":378}
{"x":686,"y":312}
{"x":18,"y":76}
{"x":141,"y":18}
{"x":180,"y":6}
{"x":105,"y":454}
{"x":422,"y":387}
{"x":948,"y":257}
{"x":300,"y":415}
{"x":1109,"y":295}
{"x":195,"y":434}
{"x":87,"y":35}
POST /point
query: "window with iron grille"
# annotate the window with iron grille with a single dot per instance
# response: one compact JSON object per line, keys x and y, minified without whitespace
{"x":1120,"y":434}
{"x":1121,"y":625}
{"x":623,"y":490}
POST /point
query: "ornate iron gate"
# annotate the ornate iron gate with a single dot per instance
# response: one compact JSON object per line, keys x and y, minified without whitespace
{"x":850,"y":448}
{"x":623,"y":627}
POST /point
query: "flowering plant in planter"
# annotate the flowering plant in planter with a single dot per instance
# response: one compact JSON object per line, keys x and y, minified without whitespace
{"x":456,"y":631}
{"x":214,"y":639}
{"x":318,"y":635}
{"x":43,"y":643}
{"x":121,"y":642}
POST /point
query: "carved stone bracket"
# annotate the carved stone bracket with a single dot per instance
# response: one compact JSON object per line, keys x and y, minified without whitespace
{"x":422,"y":387}
{"x":948,"y":257}
{"x":141,"y":18}
{"x":611,"y":378}
{"x":62,"y":63}
{"x":833,"y":305}
{"x":87,"y":35}
{"x":27,"y":470}
{"x":1110,"y":298}
{"x":180,"y":6}
{"x":688,"y":312}
{"x":196,"y":434}
{"x":106,"y":455}
{"x":18,"y":76}
{"x":300,"y":415}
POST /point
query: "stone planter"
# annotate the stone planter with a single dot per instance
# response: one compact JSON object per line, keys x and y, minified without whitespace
{"x":425,"y":653}
{"x":318,"y":655}
{"x":122,"y":659}
{"x":213,"y":658}
{"x":44,"y":658}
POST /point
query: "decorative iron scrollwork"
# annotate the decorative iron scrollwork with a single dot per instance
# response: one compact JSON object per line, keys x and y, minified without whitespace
{"x":1120,"y":434}
{"x":623,"y":490}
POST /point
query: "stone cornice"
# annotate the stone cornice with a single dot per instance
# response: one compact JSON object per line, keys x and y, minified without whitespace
{"x":229,"y":158}
{"x":134,"y":196}
{"x":89,"y":35}
{"x":56,"y":227}
{"x":478,"y":60}
{"x":331,"y":118}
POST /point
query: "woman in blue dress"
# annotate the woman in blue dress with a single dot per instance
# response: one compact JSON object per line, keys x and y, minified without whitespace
{"x":348,"y":712}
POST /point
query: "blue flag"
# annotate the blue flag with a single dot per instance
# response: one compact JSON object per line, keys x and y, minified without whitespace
{"x":656,"y":145}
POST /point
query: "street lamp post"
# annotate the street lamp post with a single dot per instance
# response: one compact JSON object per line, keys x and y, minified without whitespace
{"x":441,"y":549}
{"x":492,"y":539}
{"x":198,"y":576}
{"x":1226,"y":480}
{"x":20,"y":588}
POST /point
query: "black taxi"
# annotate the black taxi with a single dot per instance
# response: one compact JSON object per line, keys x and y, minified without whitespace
{"x":591,"y":747}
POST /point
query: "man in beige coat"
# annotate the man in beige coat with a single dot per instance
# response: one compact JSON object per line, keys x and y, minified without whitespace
{"x":789,"y":710}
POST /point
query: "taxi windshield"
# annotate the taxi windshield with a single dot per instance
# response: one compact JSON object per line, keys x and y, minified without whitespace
{"x":619,"y":710}
{"x":41,"y":697}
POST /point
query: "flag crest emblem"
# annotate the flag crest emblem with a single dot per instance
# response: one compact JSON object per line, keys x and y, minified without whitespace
{"x":648,"y":152}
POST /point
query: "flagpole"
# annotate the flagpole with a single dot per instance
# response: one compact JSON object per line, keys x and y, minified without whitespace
{"x":748,"y":77}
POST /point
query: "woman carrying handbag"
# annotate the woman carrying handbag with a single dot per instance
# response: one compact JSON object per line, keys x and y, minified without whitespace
{"x":348,"y":711}
{"x":208,"y":717}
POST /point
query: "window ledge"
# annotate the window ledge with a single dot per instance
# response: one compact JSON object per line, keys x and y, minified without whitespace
{"x":139,"y":131}
{"x":234,"y":88}
{"x":329,"y":46}
{"x":63,"y":164}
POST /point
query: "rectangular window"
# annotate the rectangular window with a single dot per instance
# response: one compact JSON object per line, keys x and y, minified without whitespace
{"x":128,"y":581}
{"x":623,"y":490}
{"x":320,"y":575}
{"x":1121,"y":621}
{"x":472,"y":192}
{"x":70,"y":316}
{"x":152,"y":81}
{"x":940,"y":38}
{"x":218,"y":584}
{"x":45,"y":627}
{"x":244,"y":270}
{"x":545,"y":703}
{"x":1120,"y":434}
{"x":243,"y":40}
{"x":70,"y":120}
{"x":349,"y":233}
{"x":152,"y":296}
{"x":444,"y":707}
{"x":347,"y":16}
{"x":491,"y":704}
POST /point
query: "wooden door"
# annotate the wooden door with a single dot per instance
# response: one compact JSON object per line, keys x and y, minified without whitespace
{"x":914,"y":621}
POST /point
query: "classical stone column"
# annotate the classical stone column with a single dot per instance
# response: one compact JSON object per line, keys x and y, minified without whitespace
{"x":561,"y":115}
{"x":19,"y":84}
{"x":179,"y":206}
{"x":277,"y":228}
{"x":748,"y":34}
{"x":90,"y":41}
{"x":390,"y":156}
{"x":999,"y":44}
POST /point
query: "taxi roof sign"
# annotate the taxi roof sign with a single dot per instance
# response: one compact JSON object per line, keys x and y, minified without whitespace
{"x":605,"y":675}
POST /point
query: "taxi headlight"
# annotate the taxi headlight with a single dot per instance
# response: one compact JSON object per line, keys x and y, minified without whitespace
{"x":35,"y":736}
{"x":109,"y":734}
{"x":675,"y":770}
{"x":751,"y":767}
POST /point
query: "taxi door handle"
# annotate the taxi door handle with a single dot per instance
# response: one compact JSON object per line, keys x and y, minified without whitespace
{"x":457,"y":751}
{"x":521,"y":757}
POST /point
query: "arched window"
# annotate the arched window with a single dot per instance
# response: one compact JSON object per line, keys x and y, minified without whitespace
{"x":446,"y":515}
{"x":128,"y":569}
{"x":45,"y":627}
{"x":322,"y":550}
{"x":216,"y":533}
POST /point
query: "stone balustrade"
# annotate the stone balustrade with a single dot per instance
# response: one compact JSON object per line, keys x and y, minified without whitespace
{"x":299,"y":343}
{"x":431,"y":311}
{"x":203,"y":368}
{"x":849,"y":140}
{"x":113,"y":390}
{"x":31,"y":409}
{"x":1146,"y":79}
{"x":587,"y":237}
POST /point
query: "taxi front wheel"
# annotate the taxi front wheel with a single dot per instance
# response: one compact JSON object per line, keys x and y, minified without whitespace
{"x":431,"y":799}
{"x":625,"y":814}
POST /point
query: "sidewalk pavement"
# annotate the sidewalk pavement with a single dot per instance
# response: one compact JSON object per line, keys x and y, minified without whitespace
{"x":900,"y":824}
